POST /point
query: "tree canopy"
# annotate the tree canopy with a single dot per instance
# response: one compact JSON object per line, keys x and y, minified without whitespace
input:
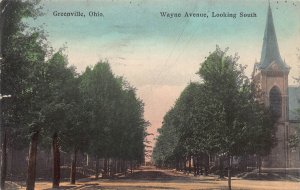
{"x":219,"y":116}
{"x":94,"y":113}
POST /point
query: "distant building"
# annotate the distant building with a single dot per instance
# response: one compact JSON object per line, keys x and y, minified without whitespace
{"x":271,"y":75}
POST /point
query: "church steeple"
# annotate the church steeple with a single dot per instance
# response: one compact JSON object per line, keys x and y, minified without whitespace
{"x":270,"y":51}
{"x":271,"y":76}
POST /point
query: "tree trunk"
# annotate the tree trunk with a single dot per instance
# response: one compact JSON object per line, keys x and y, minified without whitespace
{"x":221,"y":167}
{"x":259,"y":164}
{"x":195,"y":165}
{"x":120,"y":169}
{"x":105,"y":168}
{"x":125,"y":167}
{"x":113,"y":167}
{"x":97,"y":168}
{"x":12,"y":161}
{"x":56,"y":161}
{"x":198,"y":165}
{"x":119,"y":166}
{"x":73,"y":167}
{"x":122,"y":166}
{"x":31,"y":172}
{"x":229,"y":173}
{"x":118,"y":163}
{"x":3,"y":161}
{"x":206,"y":164}
{"x":184,"y":165}
{"x":190,"y":164}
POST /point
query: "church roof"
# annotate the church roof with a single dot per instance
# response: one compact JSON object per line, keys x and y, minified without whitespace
{"x":294,"y":103}
{"x":270,"y":51}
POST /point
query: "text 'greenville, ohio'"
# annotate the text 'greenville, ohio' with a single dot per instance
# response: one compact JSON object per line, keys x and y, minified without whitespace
{"x":77,"y":14}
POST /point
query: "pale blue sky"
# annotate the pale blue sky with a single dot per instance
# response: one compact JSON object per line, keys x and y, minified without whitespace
{"x":160,"y":55}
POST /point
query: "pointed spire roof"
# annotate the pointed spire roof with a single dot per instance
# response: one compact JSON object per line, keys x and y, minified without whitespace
{"x":270,"y":51}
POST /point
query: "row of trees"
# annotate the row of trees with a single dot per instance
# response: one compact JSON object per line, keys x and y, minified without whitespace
{"x":43,"y":100}
{"x":219,"y":116}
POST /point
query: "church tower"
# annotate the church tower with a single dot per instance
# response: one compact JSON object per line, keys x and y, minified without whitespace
{"x":271,"y":75}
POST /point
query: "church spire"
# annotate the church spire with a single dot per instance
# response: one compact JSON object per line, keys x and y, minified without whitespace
{"x":270,"y":51}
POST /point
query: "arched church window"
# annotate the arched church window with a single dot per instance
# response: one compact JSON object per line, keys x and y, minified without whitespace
{"x":275,"y":101}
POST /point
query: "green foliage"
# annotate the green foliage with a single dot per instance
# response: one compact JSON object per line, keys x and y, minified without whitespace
{"x":115,"y":114}
{"x":219,"y":116}
{"x":22,"y":52}
{"x":96,"y":113}
{"x":167,"y":142}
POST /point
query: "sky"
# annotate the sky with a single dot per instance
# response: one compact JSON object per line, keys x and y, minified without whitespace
{"x":159,"y":55}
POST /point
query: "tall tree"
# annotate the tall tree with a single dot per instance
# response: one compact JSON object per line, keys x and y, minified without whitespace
{"x":19,"y":52}
{"x":101,"y":92}
{"x":129,"y":131}
{"x":115,"y":132}
{"x":226,"y":83}
{"x":60,"y":79}
{"x":222,"y":116}
{"x":76,"y":133}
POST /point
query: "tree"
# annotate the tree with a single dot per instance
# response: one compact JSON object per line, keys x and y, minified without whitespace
{"x":19,"y":52}
{"x":101,"y":93}
{"x":226,"y":83}
{"x":75,"y":135}
{"x":186,"y":129}
{"x":34,"y":117}
{"x":61,"y":100}
{"x":115,"y":132}
{"x":166,"y":141}
{"x":129,"y":131}
{"x":220,"y":116}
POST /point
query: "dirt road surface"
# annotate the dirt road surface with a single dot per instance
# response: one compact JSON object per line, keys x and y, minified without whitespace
{"x":151,"y":178}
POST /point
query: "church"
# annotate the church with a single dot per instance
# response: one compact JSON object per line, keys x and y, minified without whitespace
{"x":271,"y":76}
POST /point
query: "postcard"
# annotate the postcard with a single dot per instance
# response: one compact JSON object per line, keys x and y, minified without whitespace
{"x":140,"y":94}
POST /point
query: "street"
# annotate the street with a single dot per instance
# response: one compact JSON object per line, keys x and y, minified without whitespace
{"x":152,"y":178}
